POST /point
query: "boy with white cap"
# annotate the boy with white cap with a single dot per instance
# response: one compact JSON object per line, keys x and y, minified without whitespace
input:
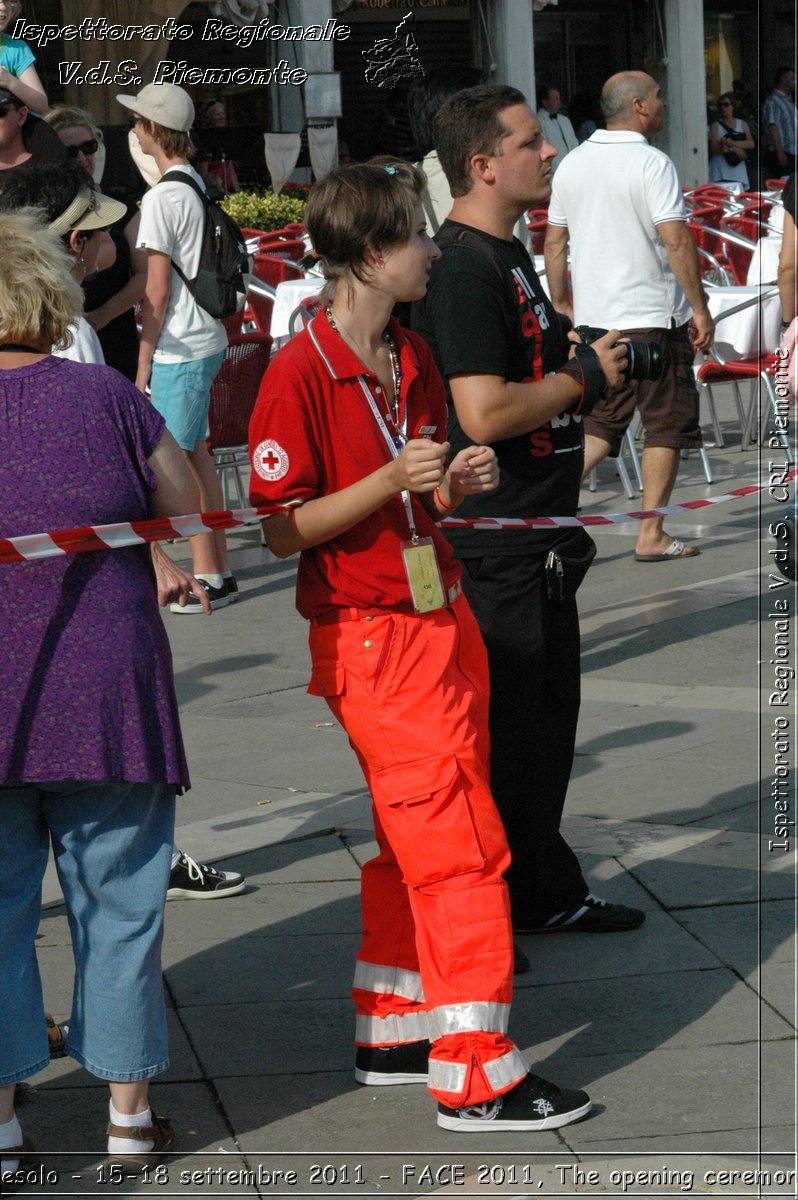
{"x":182,"y":346}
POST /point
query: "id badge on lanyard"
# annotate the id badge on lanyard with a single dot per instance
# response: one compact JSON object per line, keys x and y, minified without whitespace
{"x":418,"y":554}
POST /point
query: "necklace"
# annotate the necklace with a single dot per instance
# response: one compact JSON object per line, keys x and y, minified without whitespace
{"x":393,"y":354}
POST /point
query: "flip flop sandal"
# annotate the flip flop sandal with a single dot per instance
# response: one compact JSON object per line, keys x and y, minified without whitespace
{"x":677,"y":549}
{"x":160,"y":1132}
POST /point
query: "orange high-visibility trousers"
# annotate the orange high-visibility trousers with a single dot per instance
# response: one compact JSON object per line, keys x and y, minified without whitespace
{"x":436,"y":955}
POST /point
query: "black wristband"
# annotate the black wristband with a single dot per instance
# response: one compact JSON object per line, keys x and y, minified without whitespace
{"x":585,"y":368}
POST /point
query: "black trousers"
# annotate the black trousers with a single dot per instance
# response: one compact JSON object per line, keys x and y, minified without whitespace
{"x":533,"y":654}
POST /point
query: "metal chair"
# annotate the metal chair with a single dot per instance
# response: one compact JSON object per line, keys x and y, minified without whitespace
{"x":233,"y":324}
{"x":729,"y":250}
{"x":259,"y":305}
{"x":707,"y":193}
{"x":748,"y":224}
{"x":281,"y":247}
{"x":759,"y":369}
{"x":620,"y":466}
{"x":272,"y":269}
{"x":537,"y":232}
{"x":233,"y":395}
{"x":707,"y":213}
{"x":304,"y":313}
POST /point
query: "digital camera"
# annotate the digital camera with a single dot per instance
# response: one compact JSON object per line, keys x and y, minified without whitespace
{"x":644,"y":359}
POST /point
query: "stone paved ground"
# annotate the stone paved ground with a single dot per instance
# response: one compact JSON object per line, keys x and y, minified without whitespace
{"x":683,"y":1032}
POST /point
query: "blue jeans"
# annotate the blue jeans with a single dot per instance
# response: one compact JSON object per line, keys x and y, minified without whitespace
{"x":112,"y":844}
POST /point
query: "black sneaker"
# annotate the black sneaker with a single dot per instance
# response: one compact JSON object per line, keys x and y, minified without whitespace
{"x":231,"y":583}
{"x":219,"y":598}
{"x":591,"y":915}
{"x":190,"y":880}
{"x":387,"y":1065}
{"x":532,"y":1104}
{"x":520,"y":961}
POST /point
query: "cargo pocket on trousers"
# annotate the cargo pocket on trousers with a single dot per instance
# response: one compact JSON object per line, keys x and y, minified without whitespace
{"x":327,"y":680}
{"x":427,"y":818}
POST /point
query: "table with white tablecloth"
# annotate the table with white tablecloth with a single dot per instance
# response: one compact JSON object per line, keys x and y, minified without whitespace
{"x":764,"y":265}
{"x":288,"y":295}
{"x":755,"y":330}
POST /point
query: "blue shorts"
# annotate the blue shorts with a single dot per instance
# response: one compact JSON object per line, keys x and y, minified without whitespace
{"x":182,"y":394}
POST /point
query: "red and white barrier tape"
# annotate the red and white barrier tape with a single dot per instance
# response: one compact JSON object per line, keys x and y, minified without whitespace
{"x":33,"y":546}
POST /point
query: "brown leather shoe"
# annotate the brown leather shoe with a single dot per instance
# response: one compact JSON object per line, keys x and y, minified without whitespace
{"x":160,"y":1132}
{"x":55,"y":1037}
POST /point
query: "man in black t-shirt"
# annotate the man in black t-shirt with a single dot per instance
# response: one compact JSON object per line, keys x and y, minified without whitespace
{"x":504,"y":354}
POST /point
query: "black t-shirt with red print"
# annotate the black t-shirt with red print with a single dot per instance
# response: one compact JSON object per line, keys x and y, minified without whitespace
{"x":485,"y":313}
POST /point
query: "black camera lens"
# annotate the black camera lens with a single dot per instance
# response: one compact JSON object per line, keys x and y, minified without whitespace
{"x":644,"y":360}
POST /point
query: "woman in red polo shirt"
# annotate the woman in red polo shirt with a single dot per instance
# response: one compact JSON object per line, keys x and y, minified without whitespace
{"x":348,"y":434}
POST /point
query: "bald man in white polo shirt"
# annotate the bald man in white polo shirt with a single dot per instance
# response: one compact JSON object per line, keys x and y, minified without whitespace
{"x":634,"y":267}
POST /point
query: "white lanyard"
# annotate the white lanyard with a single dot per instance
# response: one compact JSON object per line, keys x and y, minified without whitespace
{"x":392,"y":446}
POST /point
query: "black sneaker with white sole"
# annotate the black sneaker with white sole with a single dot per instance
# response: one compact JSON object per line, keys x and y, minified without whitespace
{"x":190,"y":880}
{"x":218,"y":596}
{"x":382,"y":1066}
{"x":231,"y":583}
{"x":533,"y":1104}
{"x":591,"y":915}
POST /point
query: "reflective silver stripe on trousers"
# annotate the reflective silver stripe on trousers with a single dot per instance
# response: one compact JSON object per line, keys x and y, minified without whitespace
{"x":387,"y":1031}
{"x":446,"y":1076}
{"x":500,"y":1072}
{"x":510,"y":1068}
{"x":475,"y":1017}
{"x":393,"y":981}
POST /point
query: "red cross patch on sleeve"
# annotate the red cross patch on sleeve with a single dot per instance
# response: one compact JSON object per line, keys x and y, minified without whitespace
{"x":270,"y":461}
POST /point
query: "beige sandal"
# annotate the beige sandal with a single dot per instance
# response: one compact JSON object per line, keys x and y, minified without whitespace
{"x":160,"y":1132}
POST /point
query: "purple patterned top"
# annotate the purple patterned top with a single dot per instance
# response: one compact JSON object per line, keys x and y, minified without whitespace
{"x":88,"y":689}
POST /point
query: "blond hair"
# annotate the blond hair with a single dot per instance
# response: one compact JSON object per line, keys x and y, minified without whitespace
{"x":39,"y":297}
{"x":66,"y":117}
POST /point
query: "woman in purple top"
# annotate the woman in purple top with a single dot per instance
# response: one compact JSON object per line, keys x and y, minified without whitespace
{"x":91,"y":755}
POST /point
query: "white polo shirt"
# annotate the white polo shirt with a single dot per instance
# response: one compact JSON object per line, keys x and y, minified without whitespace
{"x":611,"y":193}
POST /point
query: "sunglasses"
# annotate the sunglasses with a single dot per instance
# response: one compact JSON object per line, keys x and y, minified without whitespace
{"x":89,"y":147}
{"x":134,"y":120}
{"x":5,"y":108}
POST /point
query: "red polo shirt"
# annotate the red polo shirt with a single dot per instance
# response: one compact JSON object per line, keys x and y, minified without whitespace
{"x":313,"y":433}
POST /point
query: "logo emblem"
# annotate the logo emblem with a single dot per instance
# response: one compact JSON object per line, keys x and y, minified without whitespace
{"x":270,"y":461}
{"x":392,"y":59}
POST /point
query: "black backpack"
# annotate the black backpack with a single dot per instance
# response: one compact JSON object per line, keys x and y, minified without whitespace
{"x":219,"y":286}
